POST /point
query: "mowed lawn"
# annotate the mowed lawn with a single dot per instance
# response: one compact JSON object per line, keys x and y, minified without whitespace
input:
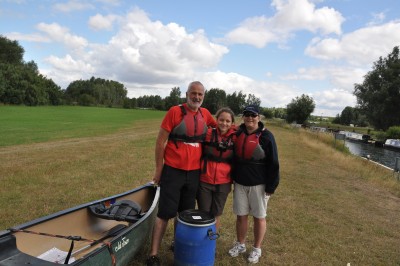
{"x":23,"y":125}
{"x":330,"y":208}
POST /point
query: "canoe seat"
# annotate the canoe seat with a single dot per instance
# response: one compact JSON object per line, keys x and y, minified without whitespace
{"x":123,"y":210}
{"x":8,"y":247}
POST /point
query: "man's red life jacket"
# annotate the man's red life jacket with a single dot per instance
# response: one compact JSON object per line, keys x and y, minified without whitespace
{"x":192,"y":128}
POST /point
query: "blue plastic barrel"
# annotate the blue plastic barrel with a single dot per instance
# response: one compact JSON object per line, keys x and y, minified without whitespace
{"x":195,"y":236}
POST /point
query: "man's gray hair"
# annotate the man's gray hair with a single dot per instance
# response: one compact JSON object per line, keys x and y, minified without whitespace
{"x":191,"y":84}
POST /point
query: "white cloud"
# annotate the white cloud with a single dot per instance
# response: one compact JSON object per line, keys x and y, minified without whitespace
{"x":332,"y":102}
{"x":34,"y":37}
{"x":60,"y":34}
{"x":144,"y":51}
{"x":65,"y":70}
{"x":16,"y":1}
{"x":341,"y":77}
{"x":378,"y":18}
{"x":72,"y":5}
{"x":271,"y":94}
{"x":303,"y":15}
{"x":254,"y":31}
{"x":68,"y":64}
{"x":141,"y":52}
{"x":291,"y":16}
{"x":361,"y":47}
{"x":110,"y":2}
{"x":100,"y":22}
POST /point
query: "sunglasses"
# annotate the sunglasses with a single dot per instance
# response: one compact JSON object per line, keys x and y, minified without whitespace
{"x":250,"y":114}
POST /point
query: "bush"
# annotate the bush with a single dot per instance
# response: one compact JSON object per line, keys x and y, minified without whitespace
{"x":393,"y":132}
{"x":86,"y":100}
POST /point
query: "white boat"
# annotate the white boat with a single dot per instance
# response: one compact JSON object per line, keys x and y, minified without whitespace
{"x":355,"y":136}
{"x":392,"y":144}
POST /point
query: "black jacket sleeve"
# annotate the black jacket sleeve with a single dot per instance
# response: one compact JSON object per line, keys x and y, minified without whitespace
{"x":272,"y":164}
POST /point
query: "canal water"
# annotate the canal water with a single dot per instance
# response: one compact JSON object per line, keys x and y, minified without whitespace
{"x":377,"y":154}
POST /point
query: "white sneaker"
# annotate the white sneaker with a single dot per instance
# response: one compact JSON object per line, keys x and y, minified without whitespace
{"x":237,"y":249}
{"x":255,"y":255}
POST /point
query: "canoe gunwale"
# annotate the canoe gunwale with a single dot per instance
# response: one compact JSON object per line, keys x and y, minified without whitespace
{"x":75,"y":208}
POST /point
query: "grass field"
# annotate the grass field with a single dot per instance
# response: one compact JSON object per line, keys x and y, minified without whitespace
{"x":23,"y":125}
{"x":330,"y":208}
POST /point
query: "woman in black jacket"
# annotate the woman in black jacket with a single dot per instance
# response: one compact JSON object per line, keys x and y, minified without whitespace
{"x":256,"y":176}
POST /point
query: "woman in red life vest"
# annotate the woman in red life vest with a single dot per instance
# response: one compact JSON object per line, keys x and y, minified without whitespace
{"x":215,"y":178}
{"x":256,"y":176}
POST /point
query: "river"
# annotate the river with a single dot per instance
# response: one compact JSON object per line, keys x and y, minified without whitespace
{"x":377,"y":154}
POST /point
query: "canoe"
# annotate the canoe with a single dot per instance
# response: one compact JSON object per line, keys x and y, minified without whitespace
{"x":110,"y":231}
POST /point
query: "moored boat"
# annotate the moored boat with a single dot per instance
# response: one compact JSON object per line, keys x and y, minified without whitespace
{"x":356,"y":136}
{"x":110,"y":231}
{"x":393,"y":144}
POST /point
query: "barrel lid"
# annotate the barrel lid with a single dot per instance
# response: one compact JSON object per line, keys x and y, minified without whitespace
{"x":193,"y":216}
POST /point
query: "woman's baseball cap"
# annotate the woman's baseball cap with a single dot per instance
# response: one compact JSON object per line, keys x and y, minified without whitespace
{"x":251,"y":109}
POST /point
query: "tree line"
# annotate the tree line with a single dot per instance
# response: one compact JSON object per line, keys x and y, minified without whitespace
{"x":215,"y":99}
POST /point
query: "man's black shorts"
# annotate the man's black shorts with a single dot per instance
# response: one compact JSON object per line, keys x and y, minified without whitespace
{"x":178,"y":190}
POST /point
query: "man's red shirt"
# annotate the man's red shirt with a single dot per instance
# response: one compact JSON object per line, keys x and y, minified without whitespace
{"x":183,"y":155}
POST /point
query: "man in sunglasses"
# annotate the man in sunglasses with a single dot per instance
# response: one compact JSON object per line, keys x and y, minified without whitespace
{"x":256,"y":176}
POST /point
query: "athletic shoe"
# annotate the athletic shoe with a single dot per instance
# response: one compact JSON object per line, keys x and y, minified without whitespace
{"x":237,"y":249}
{"x":153,"y":261}
{"x":255,"y":255}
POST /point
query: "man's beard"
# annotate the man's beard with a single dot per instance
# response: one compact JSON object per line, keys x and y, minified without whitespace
{"x":195,"y":104}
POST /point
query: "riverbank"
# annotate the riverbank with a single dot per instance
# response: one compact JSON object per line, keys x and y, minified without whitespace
{"x":387,"y":157}
{"x":329,"y":209}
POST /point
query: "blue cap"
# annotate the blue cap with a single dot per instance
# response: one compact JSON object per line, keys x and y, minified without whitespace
{"x":251,"y":109}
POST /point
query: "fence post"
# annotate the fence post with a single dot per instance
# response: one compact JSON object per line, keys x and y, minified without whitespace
{"x":340,"y":137}
{"x":396,"y":168}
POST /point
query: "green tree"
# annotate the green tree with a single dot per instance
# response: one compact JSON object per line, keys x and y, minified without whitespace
{"x":347,"y":116}
{"x":268,"y":112}
{"x":174,"y":98}
{"x":279,"y":112}
{"x":150,"y":101}
{"x":253,"y":100}
{"x":359,"y":118}
{"x":393,"y":132}
{"x":10,"y":51}
{"x":130,"y":103}
{"x":20,"y":82}
{"x":214,"y":99}
{"x":102,"y":92}
{"x":336,"y":120}
{"x":236,"y":101}
{"x":300,"y":109}
{"x":379,"y":95}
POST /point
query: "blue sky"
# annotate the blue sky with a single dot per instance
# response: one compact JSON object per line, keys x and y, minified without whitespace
{"x":276,"y":50}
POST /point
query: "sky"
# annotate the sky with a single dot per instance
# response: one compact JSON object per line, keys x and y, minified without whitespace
{"x":276,"y":50}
